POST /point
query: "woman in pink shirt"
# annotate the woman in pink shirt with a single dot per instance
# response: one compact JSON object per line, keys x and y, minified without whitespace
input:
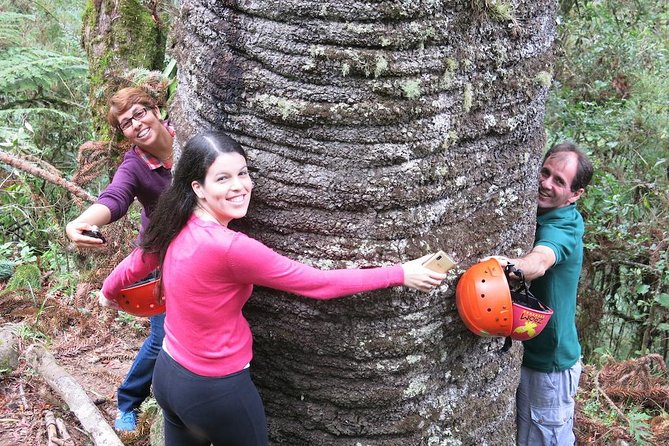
{"x":201,"y":378}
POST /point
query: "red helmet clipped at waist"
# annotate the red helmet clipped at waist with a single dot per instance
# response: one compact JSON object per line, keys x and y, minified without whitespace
{"x":490,"y":307}
{"x":141,"y":299}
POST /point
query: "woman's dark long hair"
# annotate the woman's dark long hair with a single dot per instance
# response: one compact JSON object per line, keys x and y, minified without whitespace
{"x":177,"y":202}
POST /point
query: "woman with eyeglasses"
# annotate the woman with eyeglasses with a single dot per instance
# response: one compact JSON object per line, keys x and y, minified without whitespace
{"x":145,"y":173}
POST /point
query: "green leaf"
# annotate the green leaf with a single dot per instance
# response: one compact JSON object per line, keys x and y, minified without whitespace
{"x":663,"y":299}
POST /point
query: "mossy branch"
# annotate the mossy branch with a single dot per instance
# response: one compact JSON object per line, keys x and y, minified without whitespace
{"x":31,"y":168}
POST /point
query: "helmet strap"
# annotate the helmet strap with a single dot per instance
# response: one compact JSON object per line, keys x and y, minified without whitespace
{"x":507,"y":345}
{"x":523,"y":291}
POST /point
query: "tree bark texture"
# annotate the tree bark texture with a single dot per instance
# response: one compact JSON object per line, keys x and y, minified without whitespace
{"x":381,"y":131}
{"x":120,"y":35}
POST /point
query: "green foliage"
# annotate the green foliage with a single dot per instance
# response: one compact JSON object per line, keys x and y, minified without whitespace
{"x":44,"y":118}
{"x":27,"y":276}
{"x":43,"y":113}
{"x":170,"y":74}
{"x":24,"y":70}
{"x":36,"y":79}
{"x":611,"y":96}
{"x":54,"y":23}
{"x":638,"y":426}
{"x":19,"y":253}
{"x":6,"y":269}
{"x":593,"y":406}
{"x":614,"y":92}
{"x":10,"y":29}
{"x":129,"y":320}
{"x":31,"y":334}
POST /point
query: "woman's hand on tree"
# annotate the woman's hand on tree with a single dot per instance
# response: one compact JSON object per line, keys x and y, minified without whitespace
{"x":418,"y":277}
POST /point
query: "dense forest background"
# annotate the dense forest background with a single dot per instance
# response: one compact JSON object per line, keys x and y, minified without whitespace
{"x":609,"y":94}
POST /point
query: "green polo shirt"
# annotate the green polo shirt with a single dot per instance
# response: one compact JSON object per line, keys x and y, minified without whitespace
{"x":557,"y":348}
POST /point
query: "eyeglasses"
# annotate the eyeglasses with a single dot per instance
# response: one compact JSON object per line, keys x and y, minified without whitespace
{"x":126,"y":123}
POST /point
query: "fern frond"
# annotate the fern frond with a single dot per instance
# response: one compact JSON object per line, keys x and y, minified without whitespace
{"x":17,"y":114}
{"x":11,"y":32}
{"x":26,"y":69}
{"x":153,"y":82}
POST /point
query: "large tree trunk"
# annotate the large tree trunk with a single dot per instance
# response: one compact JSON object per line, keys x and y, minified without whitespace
{"x":382,"y":131}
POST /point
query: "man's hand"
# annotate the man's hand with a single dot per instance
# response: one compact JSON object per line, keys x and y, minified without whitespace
{"x":503,"y":261}
{"x":533,"y":265}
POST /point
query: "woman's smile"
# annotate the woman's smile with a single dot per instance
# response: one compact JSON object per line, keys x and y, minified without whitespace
{"x":226,"y":192}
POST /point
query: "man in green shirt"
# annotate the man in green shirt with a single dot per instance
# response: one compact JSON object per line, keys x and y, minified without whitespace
{"x":551,"y":361}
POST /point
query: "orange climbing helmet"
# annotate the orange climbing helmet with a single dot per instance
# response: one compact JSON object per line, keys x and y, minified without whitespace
{"x":140,"y":299}
{"x":490,"y":307}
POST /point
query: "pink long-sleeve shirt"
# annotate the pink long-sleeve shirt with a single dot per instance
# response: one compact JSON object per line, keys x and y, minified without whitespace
{"x":208,"y":275}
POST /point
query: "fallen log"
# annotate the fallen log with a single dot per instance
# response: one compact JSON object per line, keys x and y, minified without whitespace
{"x":73,"y":394}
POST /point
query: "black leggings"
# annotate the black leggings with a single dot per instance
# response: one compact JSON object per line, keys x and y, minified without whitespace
{"x":203,"y":410}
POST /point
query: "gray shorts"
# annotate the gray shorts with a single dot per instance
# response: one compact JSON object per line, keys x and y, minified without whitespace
{"x":545,"y":407}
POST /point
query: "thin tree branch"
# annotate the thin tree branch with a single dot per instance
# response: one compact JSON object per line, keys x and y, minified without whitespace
{"x":73,"y":394}
{"x":28,"y":167}
{"x":609,"y":400}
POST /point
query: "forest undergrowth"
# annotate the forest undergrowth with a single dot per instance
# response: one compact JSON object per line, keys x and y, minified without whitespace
{"x":618,"y":402}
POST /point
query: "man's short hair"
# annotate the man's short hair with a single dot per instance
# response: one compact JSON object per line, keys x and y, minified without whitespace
{"x":584,"y":169}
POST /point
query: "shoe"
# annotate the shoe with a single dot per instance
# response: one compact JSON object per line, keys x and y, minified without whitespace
{"x":126,"y":421}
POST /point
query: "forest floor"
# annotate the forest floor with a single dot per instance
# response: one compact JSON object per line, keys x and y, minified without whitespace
{"x":94,"y":345}
{"x":618,"y":403}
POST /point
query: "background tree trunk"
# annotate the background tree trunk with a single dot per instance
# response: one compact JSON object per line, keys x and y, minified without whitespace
{"x":120,"y":35}
{"x":382,"y":131}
